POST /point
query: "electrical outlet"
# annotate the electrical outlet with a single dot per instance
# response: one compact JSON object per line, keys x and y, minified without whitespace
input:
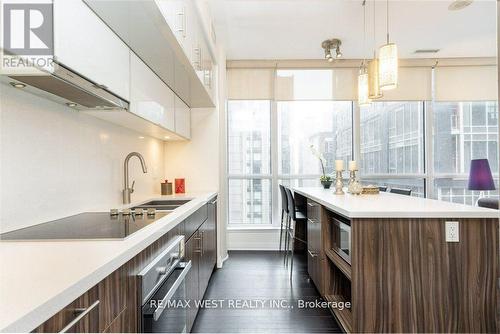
{"x":452,"y":232}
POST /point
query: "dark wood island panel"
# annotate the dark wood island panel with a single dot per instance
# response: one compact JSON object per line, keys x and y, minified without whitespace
{"x":407,"y":278}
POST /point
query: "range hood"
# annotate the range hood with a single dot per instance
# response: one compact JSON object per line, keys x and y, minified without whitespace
{"x":66,"y":86}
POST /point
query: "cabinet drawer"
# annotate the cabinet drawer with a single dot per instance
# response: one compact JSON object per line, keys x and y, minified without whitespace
{"x":193,"y":222}
{"x":81,"y":316}
{"x":313,"y":210}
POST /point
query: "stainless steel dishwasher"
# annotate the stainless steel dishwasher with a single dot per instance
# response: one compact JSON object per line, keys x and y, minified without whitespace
{"x":164,"y":291}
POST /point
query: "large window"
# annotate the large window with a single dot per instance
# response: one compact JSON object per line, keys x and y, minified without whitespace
{"x":249,"y":162}
{"x":419,"y":145}
{"x":463,"y":131}
{"x":392,"y":146}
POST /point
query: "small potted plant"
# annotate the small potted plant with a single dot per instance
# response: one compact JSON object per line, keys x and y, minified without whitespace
{"x":326,"y":180}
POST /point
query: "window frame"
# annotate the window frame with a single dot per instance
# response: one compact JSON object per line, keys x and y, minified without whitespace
{"x":428,"y":175}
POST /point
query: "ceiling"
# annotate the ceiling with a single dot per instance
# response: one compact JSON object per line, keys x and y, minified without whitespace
{"x":294,"y":29}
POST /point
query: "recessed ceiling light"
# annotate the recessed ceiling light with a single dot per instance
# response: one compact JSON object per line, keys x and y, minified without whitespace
{"x":71,"y":104}
{"x":141,"y":137}
{"x":167,"y":137}
{"x":459,"y":4}
{"x":17,"y":84}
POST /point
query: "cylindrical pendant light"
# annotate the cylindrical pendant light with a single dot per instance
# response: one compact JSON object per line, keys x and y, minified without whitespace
{"x":363,"y":98}
{"x":373,"y":80}
{"x":388,"y":62}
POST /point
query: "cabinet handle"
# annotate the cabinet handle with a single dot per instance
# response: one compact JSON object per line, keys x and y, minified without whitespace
{"x":182,"y":16}
{"x":313,"y":254}
{"x":311,"y":204}
{"x":207,"y":78}
{"x":202,"y":242}
{"x":197,"y":62}
{"x":312,"y":221}
{"x":83,"y":312}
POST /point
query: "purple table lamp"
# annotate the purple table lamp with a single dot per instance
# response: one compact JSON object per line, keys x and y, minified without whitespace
{"x":480,"y":177}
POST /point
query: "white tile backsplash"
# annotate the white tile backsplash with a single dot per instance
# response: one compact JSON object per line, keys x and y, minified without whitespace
{"x":57,"y":162}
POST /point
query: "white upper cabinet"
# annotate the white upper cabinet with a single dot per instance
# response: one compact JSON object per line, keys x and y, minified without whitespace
{"x":150,"y":97}
{"x":182,"y":118}
{"x":165,"y":35}
{"x":85,"y":44}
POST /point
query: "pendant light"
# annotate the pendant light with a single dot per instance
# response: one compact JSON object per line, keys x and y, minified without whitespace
{"x":363,"y":98}
{"x":373,"y":80}
{"x":388,"y":62}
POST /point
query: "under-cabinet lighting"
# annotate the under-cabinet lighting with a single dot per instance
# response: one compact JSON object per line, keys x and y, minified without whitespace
{"x":17,"y":84}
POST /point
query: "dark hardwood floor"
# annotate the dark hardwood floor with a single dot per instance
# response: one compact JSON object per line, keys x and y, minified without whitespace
{"x":261,"y":275}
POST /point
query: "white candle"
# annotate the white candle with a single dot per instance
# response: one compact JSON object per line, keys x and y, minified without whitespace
{"x":353,"y":165}
{"x":339,"y":165}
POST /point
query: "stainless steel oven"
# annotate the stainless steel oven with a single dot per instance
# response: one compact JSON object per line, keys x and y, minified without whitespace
{"x":164,"y":291}
{"x":341,"y":233}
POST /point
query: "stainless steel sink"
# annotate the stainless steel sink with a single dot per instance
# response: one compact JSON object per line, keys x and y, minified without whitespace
{"x":163,"y":205}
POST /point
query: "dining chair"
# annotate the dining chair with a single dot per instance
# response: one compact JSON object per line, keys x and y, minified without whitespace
{"x":284,"y":212}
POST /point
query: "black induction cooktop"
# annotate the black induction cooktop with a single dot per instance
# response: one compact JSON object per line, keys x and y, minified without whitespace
{"x":89,"y":225}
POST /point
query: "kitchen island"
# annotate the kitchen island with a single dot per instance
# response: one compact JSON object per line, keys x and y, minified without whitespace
{"x":390,"y":256}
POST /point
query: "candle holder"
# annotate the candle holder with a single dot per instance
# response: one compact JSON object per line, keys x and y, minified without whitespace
{"x":339,"y":183}
{"x":354,"y":187}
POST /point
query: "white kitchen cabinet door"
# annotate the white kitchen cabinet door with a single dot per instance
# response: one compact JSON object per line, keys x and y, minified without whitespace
{"x":88,"y":46}
{"x":150,"y":97}
{"x":178,"y":16}
{"x":182,"y":118}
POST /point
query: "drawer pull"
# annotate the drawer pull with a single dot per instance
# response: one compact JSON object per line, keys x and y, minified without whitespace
{"x":311,"y":204}
{"x":83,"y":312}
{"x":312,"y":221}
{"x":313,"y":254}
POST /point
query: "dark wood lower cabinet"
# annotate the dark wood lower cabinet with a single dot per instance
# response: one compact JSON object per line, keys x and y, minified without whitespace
{"x":315,"y":253}
{"x":114,"y":304}
{"x":193,"y":254}
{"x":208,"y":233}
{"x":75,"y":313}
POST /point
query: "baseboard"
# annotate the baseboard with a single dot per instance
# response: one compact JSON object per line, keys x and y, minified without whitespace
{"x":253,"y":240}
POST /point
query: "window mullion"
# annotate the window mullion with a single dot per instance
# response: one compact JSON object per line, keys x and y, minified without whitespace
{"x":275,"y":217}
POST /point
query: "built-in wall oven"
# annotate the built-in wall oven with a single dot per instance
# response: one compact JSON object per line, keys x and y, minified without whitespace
{"x":164,"y":291}
{"x":341,"y":237}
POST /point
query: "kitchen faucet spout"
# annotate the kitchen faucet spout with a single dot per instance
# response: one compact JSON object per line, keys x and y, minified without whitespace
{"x":129,"y":190}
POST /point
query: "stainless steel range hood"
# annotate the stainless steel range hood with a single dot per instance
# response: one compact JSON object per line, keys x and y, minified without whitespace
{"x":65,"y":86}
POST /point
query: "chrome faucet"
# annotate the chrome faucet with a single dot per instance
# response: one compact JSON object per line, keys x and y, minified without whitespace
{"x":128,"y":190}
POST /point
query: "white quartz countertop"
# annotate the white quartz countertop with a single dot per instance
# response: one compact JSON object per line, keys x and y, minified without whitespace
{"x":39,"y":278}
{"x":388,"y":205}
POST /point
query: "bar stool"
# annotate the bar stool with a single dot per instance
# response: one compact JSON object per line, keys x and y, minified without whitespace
{"x":293,"y":217}
{"x":284,"y":212}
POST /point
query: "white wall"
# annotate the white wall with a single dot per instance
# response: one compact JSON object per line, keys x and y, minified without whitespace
{"x":57,"y":162}
{"x":196,"y":160}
